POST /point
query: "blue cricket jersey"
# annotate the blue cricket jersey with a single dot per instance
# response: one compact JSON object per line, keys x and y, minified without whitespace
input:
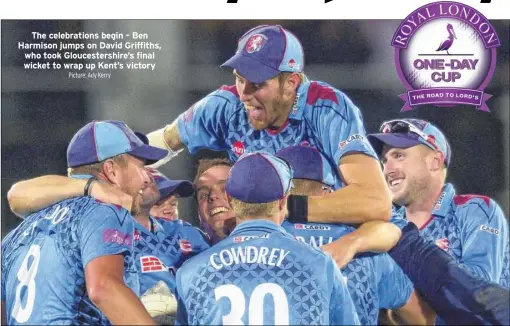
{"x":323,"y":117}
{"x":44,"y":260}
{"x":374,"y":281}
{"x":474,"y":231}
{"x":159,"y":254}
{"x":260,"y":275}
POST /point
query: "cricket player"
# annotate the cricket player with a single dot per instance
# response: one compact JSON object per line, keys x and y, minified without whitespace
{"x":273,"y":105}
{"x":169,"y":190}
{"x":375,"y":281}
{"x":471,"y":228}
{"x":160,"y":245}
{"x":72,"y":262}
{"x":217,"y":218}
{"x":260,"y":275}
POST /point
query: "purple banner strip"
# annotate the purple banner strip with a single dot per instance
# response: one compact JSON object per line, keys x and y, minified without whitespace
{"x":445,"y":96}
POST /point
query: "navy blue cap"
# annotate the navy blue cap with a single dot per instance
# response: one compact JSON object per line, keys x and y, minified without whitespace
{"x":265,"y":51}
{"x":405,"y":133}
{"x":259,"y":178}
{"x":308,"y":163}
{"x":167,"y":187}
{"x":100,"y":140}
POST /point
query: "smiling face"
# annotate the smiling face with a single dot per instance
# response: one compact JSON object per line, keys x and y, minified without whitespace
{"x":128,"y":174}
{"x":268,"y":104}
{"x":216,"y":215}
{"x":407,"y":172}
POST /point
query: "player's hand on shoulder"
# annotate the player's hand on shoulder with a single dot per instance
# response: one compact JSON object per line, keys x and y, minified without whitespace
{"x":107,"y":193}
{"x":342,"y":250}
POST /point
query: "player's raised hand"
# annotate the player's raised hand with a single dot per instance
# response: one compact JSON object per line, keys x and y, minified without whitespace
{"x":107,"y":193}
{"x":342,"y":250}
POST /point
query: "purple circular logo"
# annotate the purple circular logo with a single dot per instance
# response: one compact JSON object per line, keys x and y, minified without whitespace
{"x":445,"y":54}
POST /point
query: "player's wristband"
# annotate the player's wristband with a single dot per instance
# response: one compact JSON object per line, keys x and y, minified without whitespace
{"x":157,"y":139}
{"x":87,"y":188}
{"x":298,"y":209}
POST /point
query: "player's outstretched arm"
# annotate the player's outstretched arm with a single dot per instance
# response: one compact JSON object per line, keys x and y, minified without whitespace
{"x":28,"y":196}
{"x":167,"y":138}
{"x":31,"y":195}
{"x":106,"y":288}
{"x":373,"y":236}
{"x":451,"y":290}
{"x":365,"y":197}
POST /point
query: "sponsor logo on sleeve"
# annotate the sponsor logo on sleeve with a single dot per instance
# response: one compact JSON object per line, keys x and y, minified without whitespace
{"x":115,"y":236}
{"x":350,"y":139}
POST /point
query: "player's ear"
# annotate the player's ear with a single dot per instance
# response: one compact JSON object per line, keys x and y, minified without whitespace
{"x":437,"y":161}
{"x":282,"y":203}
{"x":110,"y":172}
{"x":292,"y":82}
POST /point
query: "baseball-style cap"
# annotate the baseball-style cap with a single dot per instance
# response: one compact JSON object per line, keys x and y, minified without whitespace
{"x":167,"y":187}
{"x":99,"y":140}
{"x":259,"y":178}
{"x":266,"y":50}
{"x":405,"y":133}
{"x":308,"y":163}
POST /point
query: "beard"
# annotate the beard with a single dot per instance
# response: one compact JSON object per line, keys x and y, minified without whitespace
{"x":413,"y":191}
{"x":278,"y":107}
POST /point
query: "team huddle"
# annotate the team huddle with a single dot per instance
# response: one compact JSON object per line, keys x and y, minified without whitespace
{"x":299,"y":226}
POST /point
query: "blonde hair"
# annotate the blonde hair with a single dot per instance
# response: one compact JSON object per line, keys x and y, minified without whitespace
{"x":243,"y":209}
{"x":96,"y":168}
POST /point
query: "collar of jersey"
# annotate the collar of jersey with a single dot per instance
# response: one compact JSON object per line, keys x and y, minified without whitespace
{"x":298,"y":109}
{"x":445,"y":202}
{"x":445,"y":206}
{"x":257,"y":225}
{"x":81,"y":176}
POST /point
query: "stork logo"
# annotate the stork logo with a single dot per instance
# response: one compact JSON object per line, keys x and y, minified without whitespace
{"x":255,"y":43}
{"x":445,"y":54}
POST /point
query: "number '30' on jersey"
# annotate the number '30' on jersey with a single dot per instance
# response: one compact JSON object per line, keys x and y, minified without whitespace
{"x":260,"y":275}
